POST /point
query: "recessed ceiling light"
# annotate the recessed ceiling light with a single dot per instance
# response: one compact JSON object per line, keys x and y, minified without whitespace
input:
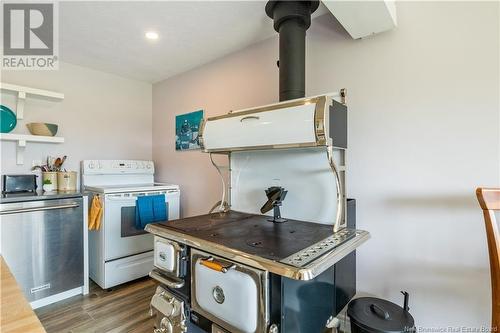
{"x":151,"y":35}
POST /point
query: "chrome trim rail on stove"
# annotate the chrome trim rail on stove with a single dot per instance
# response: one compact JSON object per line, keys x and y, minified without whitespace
{"x":307,"y":272}
{"x":340,"y":192}
{"x":157,"y":275}
{"x":224,"y":206}
{"x":302,"y":258}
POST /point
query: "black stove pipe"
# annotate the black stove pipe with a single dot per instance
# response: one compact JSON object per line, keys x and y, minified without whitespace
{"x":291,"y":20}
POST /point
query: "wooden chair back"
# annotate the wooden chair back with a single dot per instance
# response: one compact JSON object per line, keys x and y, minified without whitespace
{"x":489,"y":200}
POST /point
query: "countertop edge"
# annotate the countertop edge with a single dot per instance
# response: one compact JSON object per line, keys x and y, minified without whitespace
{"x":42,"y":196}
{"x":17,"y":314}
{"x":308,"y":272}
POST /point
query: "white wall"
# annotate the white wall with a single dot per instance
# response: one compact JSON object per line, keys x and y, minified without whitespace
{"x":424,"y":132}
{"x":243,"y":80}
{"x":102,"y":116}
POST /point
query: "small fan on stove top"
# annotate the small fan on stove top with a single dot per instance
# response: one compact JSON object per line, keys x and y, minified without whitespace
{"x":275,"y":197}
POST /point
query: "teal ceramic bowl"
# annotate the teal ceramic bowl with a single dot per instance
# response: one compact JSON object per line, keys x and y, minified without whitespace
{"x":8,"y":119}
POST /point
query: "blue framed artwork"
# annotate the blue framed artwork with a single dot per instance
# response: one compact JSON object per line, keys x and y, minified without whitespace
{"x":187,"y":128}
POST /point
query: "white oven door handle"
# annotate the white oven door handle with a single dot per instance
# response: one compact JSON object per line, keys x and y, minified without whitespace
{"x":169,"y":282}
{"x":125,"y":200}
{"x":122,"y":199}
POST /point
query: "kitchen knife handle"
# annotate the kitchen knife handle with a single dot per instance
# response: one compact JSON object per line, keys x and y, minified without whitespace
{"x":215,"y":265}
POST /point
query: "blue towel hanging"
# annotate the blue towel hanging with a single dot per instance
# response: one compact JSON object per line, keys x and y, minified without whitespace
{"x":151,"y":208}
{"x":159,"y":208}
{"x":143,"y":212}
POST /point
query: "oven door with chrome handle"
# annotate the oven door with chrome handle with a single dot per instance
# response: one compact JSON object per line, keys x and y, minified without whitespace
{"x":229,"y":294}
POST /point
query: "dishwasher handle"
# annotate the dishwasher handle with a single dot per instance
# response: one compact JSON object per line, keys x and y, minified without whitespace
{"x":37,"y":209}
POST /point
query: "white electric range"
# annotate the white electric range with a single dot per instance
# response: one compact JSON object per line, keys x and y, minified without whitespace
{"x":118,"y":252}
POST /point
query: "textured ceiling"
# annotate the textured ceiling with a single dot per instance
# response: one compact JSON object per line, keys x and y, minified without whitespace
{"x":109,"y":36}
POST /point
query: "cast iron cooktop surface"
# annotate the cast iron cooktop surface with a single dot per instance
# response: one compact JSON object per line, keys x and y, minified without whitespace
{"x":252,"y":234}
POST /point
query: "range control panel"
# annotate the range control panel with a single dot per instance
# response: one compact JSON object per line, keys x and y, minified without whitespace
{"x":302,"y":258}
{"x":110,"y":167}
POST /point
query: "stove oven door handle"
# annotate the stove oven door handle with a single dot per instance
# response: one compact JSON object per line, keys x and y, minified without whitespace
{"x":215,"y":265}
{"x":169,"y":282}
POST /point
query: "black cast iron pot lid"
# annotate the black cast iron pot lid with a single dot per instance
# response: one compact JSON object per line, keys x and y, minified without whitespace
{"x":378,"y":315}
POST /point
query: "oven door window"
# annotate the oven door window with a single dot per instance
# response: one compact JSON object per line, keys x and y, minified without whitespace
{"x":128,"y":228}
{"x":128,"y":216}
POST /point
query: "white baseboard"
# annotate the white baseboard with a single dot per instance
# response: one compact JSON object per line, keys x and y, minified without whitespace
{"x":56,"y":298}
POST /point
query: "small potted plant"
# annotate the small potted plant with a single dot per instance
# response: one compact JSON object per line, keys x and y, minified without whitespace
{"x":47,"y":185}
{"x":49,"y":171}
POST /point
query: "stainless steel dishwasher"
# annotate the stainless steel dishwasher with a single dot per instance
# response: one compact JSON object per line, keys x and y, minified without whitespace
{"x":42,"y":243}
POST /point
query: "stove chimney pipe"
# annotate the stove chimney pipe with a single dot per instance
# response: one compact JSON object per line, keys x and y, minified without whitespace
{"x":291,"y":20}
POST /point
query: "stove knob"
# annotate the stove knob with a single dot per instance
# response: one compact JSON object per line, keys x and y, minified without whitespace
{"x":91,"y":165}
{"x":148,"y":166}
{"x":273,"y":328}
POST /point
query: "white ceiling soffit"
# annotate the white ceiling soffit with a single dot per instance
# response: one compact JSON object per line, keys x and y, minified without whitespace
{"x":109,"y":35}
{"x":364,"y":18}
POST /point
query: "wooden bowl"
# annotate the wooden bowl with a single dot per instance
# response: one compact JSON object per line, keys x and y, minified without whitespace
{"x":44,"y":129}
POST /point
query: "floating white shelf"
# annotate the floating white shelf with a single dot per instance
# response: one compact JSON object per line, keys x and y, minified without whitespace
{"x":22,"y":139}
{"x":23,"y":92}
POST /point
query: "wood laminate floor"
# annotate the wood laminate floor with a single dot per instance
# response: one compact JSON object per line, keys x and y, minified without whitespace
{"x":125,"y":308}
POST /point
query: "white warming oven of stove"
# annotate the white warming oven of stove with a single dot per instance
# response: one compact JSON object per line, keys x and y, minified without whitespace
{"x":118,"y":251}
